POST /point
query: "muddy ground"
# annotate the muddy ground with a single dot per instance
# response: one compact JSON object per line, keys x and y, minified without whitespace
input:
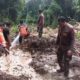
{"x":36,"y":60}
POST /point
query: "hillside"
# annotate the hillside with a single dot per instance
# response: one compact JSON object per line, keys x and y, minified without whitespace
{"x":36,"y":59}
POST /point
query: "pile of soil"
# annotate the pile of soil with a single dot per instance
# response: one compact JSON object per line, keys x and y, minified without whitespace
{"x":36,"y":59}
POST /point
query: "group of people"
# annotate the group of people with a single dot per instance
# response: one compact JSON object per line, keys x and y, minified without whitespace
{"x":64,"y":42}
{"x":5,"y":40}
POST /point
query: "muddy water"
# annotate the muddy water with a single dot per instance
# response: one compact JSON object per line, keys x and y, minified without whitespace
{"x":18,"y":66}
{"x":47,"y":63}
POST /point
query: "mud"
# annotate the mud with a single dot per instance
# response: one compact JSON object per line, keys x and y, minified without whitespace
{"x":35,"y":60}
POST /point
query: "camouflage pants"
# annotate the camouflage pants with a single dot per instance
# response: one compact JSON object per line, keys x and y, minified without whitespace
{"x":63,"y":60}
{"x":40,"y":31}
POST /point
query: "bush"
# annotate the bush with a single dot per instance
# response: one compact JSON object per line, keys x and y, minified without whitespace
{"x":73,"y":22}
{"x":14,"y":29}
{"x":78,"y":35}
{"x":54,"y":23}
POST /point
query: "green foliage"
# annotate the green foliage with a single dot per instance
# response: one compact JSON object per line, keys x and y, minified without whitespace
{"x":16,"y":10}
{"x":14,"y":29}
{"x":76,"y":9}
{"x":78,"y":35}
{"x":11,"y":9}
{"x":32,"y":8}
{"x":54,"y":23}
{"x":52,"y":13}
{"x":30,"y":19}
{"x":53,"y":9}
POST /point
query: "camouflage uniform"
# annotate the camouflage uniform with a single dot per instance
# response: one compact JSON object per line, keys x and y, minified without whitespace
{"x":65,"y":40}
{"x":40,"y":25}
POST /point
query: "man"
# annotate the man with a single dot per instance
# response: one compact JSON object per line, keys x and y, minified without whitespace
{"x":6,"y":33}
{"x":65,"y":41}
{"x":40,"y":23}
{"x":2,"y":41}
{"x":23,"y":30}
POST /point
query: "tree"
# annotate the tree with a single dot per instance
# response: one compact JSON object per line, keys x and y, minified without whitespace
{"x":52,"y":9}
{"x":76,"y":9}
{"x":11,"y":9}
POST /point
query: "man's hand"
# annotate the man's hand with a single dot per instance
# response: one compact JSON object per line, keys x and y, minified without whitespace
{"x":69,"y":53}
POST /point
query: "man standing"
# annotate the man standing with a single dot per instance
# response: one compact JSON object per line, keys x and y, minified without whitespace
{"x":40,"y":23}
{"x":65,"y":41}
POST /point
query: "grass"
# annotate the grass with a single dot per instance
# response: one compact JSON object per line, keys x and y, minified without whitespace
{"x":14,"y":31}
{"x":78,"y":35}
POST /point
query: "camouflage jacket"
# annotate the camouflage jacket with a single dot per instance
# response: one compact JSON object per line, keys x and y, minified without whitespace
{"x":65,"y":36}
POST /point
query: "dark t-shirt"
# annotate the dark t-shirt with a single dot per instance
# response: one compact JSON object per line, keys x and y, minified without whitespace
{"x":66,"y":36}
{"x":41,"y":20}
{"x":6,"y":33}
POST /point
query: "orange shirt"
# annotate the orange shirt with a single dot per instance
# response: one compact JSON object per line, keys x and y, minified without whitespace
{"x":23,"y":30}
{"x":2,"y":39}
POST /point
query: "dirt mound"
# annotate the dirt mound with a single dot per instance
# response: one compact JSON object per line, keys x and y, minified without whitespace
{"x":36,"y":60}
{"x":34,"y":44}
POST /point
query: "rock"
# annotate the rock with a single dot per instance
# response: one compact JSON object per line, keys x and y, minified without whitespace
{"x":75,"y":61}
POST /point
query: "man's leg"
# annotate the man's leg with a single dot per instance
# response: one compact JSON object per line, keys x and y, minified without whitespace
{"x":66,"y":64}
{"x":60,"y":60}
{"x":40,"y":32}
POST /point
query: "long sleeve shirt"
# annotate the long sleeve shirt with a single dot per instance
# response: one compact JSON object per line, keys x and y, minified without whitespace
{"x":41,"y":21}
{"x":65,"y":36}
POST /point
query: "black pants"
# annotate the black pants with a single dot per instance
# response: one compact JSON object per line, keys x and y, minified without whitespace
{"x":40,"y":31}
{"x":63,"y":60}
{"x":20,"y":40}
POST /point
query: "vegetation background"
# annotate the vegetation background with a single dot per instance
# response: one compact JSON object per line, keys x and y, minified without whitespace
{"x":27,"y":10}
